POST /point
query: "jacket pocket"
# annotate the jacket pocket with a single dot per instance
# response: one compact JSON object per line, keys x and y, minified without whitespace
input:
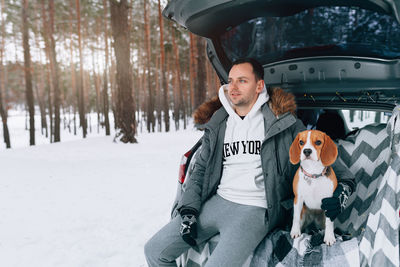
{"x":287,"y":204}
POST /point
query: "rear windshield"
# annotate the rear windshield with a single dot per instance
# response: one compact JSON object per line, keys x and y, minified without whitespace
{"x":322,"y":31}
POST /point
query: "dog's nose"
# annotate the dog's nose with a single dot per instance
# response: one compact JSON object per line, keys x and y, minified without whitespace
{"x":307,"y":152}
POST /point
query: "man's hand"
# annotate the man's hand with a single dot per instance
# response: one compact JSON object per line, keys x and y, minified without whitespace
{"x":334,"y":205}
{"x":188,"y":230}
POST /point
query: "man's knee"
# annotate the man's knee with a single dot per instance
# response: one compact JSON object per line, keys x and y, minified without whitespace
{"x":149,"y":250}
{"x":156,"y":253}
{"x":165,"y":246}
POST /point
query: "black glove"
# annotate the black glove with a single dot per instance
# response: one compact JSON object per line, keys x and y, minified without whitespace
{"x":188,"y":230}
{"x":334,"y":205}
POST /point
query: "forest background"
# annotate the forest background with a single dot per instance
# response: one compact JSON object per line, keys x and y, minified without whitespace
{"x":69,"y":59}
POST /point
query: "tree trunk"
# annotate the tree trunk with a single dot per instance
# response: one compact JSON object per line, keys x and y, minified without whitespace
{"x":3,"y":111}
{"x":181,"y":112}
{"x":113,"y":85}
{"x":158,"y":95}
{"x":96,"y":80}
{"x":352,"y":114}
{"x":86,"y":77}
{"x":209,"y":87}
{"x":170,"y":74}
{"x":105,"y":82}
{"x":176,"y":83}
{"x":120,"y":31}
{"x":212,"y":87}
{"x":51,"y":53}
{"x":28,"y":73}
{"x":150,"y":87}
{"x":142,"y":106}
{"x":81,"y":94}
{"x":192,"y":69}
{"x":378,"y":117}
{"x":200,"y":88}
{"x":162,"y":70}
{"x":39,"y":88}
{"x":55,"y":78}
{"x":136,"y":97}
{"x":40,"y":99}
{"x":144,"y":101}
{"x":74,"y":88}
{"x":49,"y":84}
{"x":217,"y":82}
{"x":49,"y":100}
{"x":105,"y":102}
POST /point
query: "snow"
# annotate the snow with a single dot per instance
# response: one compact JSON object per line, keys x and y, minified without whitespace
{"x":20,"y":136}
{"x":86,"y":202}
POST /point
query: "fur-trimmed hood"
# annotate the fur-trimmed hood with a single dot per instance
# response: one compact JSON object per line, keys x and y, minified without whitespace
{"x":279,"y":102}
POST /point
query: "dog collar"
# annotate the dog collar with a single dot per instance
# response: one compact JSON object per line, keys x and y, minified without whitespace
{"x":313,"y":175}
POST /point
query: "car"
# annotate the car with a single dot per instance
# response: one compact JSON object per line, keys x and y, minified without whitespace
{"x":341,"y":60}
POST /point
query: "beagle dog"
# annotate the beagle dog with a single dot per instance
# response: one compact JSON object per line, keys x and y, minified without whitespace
{"x":313,"y":181}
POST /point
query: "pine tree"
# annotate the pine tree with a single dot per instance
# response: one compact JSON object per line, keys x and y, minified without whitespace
{"x":126,"y":106}
{"x":3,"y":112}
{"x":28,"y":72}
{"x":81,"y":91}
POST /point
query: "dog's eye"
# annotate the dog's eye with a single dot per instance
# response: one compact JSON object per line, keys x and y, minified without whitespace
{"x":301,"y":143}
{"x":317,"y":142}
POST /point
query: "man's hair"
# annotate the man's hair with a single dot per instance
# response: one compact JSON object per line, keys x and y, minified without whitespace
{"x":258,"y":69}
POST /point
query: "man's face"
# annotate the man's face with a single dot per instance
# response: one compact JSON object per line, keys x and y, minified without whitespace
{"x":243,"y":87}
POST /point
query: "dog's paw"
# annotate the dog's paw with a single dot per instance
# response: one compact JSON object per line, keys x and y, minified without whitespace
{"x":295,"y":232}
{"x":329,"y":239}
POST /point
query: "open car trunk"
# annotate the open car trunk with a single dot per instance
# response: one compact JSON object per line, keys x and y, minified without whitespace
{"x":325,"y":52}
{"x":338,"y":54}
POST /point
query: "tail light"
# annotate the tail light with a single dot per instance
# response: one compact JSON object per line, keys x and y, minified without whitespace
{"x":183,"y":167}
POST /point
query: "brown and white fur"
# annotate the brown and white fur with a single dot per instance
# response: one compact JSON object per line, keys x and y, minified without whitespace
{"x":313,"y":181}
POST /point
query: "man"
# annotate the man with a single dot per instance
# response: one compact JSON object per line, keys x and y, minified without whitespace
{"x":242,"y":175}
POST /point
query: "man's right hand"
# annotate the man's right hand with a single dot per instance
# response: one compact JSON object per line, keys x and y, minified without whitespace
{"x":188,"y":230}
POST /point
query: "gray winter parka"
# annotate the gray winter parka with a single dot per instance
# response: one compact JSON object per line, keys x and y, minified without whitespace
{"x":280,"y":131}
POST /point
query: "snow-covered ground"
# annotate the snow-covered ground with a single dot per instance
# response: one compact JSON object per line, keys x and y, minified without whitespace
{"x":87,"y":202}
{"x":19,"y":136}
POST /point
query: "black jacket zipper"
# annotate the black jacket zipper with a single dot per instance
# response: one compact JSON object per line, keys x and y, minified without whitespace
{"x":278,"y":163}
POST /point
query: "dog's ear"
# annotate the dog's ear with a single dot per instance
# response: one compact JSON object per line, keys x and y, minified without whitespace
{"x":329,"y":151}
{"x":294,"y":151}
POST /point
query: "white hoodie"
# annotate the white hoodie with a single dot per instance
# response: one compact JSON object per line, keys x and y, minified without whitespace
{"x":242,"y":179}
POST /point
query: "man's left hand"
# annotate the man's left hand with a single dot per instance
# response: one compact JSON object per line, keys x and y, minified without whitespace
{"x":188,"y":230}
{"x":334,"y":205}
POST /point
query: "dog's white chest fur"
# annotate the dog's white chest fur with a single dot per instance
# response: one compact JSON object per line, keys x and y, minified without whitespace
{"x":313,"y":190}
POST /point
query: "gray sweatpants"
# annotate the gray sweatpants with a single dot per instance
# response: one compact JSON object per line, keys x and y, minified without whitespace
{"x":241,"y":229}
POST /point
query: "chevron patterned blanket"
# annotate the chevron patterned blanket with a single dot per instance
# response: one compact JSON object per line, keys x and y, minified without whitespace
{"x":279,"y":249}
{"x":370,"y":223}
